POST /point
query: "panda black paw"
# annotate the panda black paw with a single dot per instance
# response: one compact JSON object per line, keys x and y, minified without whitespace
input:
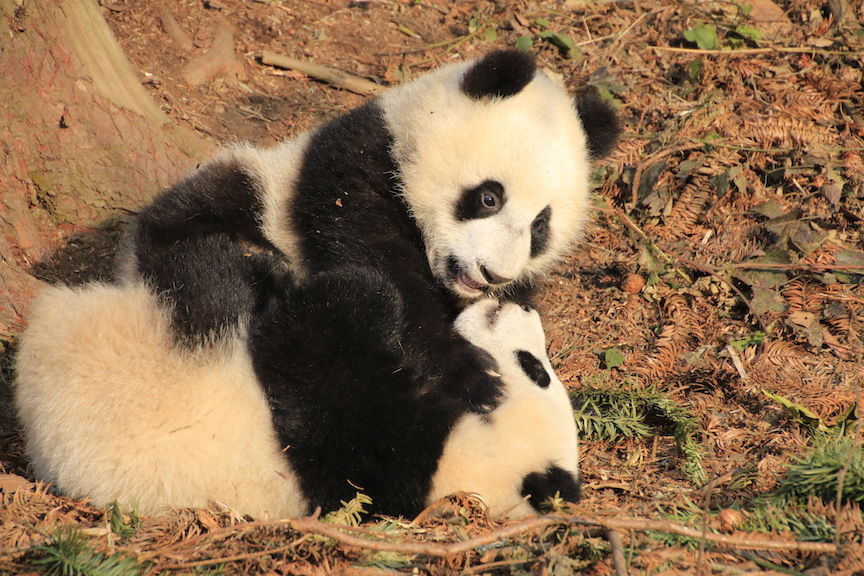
{"x":473,"y":379}
{"x":540,"y":486}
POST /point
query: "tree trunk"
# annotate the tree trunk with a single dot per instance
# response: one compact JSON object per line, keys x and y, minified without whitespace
{"x":81,"y":142}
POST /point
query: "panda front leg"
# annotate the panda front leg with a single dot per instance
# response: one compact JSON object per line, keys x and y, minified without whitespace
{"x":525,"y":450}
{"x":450,"y":364}
{"x":352,"y":407}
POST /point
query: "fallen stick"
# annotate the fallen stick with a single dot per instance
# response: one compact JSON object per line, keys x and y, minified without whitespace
{"x":312,"y":525}
{"x":331,"y":76}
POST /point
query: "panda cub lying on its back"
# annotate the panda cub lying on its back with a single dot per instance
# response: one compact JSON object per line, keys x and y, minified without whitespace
{"x":285,"y":316}
{"x":526,"y":450}
{"x":113,"y":411}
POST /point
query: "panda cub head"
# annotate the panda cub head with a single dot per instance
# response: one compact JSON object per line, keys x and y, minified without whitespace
{"x":495,"y":157}
{"x":526,"y":450}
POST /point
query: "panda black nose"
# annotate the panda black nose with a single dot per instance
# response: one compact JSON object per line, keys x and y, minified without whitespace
{"x":493,"y":278}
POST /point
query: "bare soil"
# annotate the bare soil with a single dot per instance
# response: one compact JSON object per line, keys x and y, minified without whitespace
{"x":723,"y":271}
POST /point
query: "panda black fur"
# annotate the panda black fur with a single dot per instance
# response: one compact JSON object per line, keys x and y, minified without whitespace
{"x":332,"y":267}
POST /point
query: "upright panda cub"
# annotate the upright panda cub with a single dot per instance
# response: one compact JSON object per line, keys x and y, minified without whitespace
{"x":321,"y":278}
{"x":115,"y":411}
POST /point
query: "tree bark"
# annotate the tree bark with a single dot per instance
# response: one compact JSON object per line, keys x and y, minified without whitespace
{"x":81,"y":142}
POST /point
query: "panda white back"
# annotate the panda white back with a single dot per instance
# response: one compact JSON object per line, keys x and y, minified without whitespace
{"x":527,"y":449}
{"x":113,"y":410}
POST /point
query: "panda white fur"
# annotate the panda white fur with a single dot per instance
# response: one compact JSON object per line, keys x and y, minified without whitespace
{"x":115,"y":411}
{"x":330,"y":269}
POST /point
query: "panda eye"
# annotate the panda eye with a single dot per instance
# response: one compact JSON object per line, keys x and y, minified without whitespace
{"x":540,"y":229}
{"x":539,"y":223}
{"x":481,"y":201}
{"x":489,"y":200}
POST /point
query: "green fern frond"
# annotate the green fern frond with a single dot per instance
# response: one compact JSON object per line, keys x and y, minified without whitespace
{"x":806,"y":525}
{"x":69,"y":554}
{"x":610,"y":421}
{"x":818,"y":472}
{"x":351,"y":513}
{"x":610,"y":414}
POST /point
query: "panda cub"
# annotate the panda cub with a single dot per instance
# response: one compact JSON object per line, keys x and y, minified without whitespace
{"x":526,"y":450}
{"x":115,"y":411}
{"x":321,"y":278}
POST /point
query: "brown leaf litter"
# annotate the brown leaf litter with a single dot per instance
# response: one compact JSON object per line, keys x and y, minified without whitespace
{"x":736,"y":195}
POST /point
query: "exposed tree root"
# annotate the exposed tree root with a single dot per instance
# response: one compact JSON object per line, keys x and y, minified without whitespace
{"x":219,"y":61}
{"x":175,"y":31}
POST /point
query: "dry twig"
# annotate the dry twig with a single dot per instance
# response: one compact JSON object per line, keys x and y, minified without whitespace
{"x":312,"y":525}
{"x":330,"y":75}
{"x":618,"y":559}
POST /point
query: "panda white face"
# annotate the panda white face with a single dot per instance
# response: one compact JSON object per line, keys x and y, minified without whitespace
{"x":498,"y":185}
{"x":525,"y":450}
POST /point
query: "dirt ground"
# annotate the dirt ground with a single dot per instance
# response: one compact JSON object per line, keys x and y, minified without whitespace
{"x":710,"y":323}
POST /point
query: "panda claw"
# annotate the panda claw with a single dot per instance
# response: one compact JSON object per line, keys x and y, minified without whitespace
{"x":476,"y":381}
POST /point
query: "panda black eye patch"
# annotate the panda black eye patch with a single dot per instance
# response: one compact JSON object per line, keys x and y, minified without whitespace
{"x":533,"y":368}
{"x":481,"y":201}
{"x":540,"y":231}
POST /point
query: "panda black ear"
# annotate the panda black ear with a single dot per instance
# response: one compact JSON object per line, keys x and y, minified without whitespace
{"x":599,"y":120}
{"x":500,"y":74}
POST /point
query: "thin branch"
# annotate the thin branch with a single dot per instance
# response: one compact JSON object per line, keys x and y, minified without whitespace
{"x":330,"y":75}
{"x":715,"y":274}
{"x":719,"y":144}
{"x":311,"y":525}
{"x":804,"y":267}
{"x":618,"y":559}
{"x":236,"y":557}
{"x":751,"y":51}
{"x":672,"y":256}
{"x":663,"y":252}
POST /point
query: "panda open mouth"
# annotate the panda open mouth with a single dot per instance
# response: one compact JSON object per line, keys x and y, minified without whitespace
{"x":469,"y":282}
{"x":463,"y":283}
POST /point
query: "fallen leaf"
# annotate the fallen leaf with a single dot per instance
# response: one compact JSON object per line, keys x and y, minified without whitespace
{"x":770,"y":19}
{"x":802,"y":318}
{"x":797,"y":411}
{"x":766,"y":277}
{"x":841,"y":350}
{"x":831,"y":192}
{"x":11,"y":483}
{"x":852,"y":258}
{"x":805,"y":238}
{"x":765,"y":300}
{"x":770,"y":209}
{"x":820,"y":42}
